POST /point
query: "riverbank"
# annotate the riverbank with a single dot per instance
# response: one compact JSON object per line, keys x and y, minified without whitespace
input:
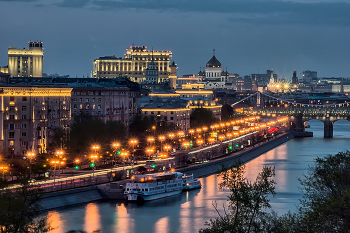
{"x":212,"y":167}
{"x":77,"y":196}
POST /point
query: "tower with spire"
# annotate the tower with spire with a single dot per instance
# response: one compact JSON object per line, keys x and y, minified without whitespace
{"x":151,"y":73}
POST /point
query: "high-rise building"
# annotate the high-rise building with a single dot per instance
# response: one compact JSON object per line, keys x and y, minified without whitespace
{"x":133,"y":65}
{"x":26,"y":62}
{"x":29,"y":115}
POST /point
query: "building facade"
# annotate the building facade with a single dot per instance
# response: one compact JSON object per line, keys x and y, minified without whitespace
{"x":26,"y":62}
{"x":106,"y":103}
{"x":171,"y":113}
{"x":133,"y":65}
{"x":30,"y":115}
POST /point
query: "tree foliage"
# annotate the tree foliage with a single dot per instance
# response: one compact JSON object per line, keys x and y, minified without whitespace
{"x":87,"y":131}
{"x":20,"y":210}
{"x":226,"y":112}
{"x":248,"y":202}
{"x":326,"y":203}
{"x":202,"y":117}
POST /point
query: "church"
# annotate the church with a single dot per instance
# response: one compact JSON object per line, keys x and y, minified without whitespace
{"x":213,"y":77}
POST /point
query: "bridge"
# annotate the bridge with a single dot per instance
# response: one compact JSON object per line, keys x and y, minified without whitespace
{"x":299,"y":113}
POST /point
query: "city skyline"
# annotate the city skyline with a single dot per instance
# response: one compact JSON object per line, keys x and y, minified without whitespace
{"x":248,"y":36}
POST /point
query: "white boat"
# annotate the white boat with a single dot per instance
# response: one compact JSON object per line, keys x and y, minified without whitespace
{"x":153,"y":186}
{"x":190,"y":183}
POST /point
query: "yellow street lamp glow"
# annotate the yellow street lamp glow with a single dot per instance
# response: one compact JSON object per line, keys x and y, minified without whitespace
{"x":150,"y":139}
{"x":180,"y":133}
{"x":161,"y":138}
{"x":191,"y":131}
{"x":116,"y":144}
{"x":205,"y":128}
{"x":200,"y":142}
{"x":133,"y":141}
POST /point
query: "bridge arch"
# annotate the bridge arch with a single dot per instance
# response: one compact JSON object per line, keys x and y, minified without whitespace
{"x":339,"y":125}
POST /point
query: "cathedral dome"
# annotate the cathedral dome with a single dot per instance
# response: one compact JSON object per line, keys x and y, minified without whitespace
{"x":213,"y":62}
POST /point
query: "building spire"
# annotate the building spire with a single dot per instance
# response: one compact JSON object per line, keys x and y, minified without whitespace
{"x":213,"y":52}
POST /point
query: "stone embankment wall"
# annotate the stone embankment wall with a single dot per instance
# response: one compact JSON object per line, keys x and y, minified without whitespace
{"x":70,"y":197}
{"x":94,"y":193}
{"x":212,"y":167}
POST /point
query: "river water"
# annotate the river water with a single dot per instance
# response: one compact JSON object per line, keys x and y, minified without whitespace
{"x":188,"y":212}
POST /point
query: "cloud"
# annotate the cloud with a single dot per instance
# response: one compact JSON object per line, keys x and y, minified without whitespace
{"x":265,"y":11}
{"x":73,"y":3}
{"x":18,"y":0}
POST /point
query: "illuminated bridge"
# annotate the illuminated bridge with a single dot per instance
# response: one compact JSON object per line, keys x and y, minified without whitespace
{"x":299,"y":113}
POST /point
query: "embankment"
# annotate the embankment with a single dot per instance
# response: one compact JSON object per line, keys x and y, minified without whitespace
{"x":70,"y":197}
{"x":244,"y":156}
{"x":94,"y":193}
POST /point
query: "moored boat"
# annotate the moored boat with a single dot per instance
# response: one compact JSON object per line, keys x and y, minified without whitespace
{"x":189,"y":182}
{"x":153,"y":186}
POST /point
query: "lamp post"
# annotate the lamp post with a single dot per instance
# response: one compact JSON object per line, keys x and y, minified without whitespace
{"x":150,"y":140}
{"x":154,"y":129}
{"x":161,"y":139}
{"x":149,"y":151}
{"x":124,"y":154}
{"x":54,"y":162}
{"x":133,"y":142}
{"x":59,"y":155}
{"x":93,"y":157}
{"x":204,"y":131}
{"x":3,"y":168}
{"x":115,"y":145}
{"x":30,"y":155}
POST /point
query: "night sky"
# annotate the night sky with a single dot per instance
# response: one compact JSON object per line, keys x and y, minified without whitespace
{"x":249,"y":36}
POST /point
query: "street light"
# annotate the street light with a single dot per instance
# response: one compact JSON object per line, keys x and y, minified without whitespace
{"x":200,"y":141}
{"x":54,"y":162}
{"x":161,"y":139}
{"x":154,"y":129}
{"x":149,"y":151}
{"x":150,"y":140}
{"x":167,"y":148}
{"x":186,"y":144}
{"x":133,"y":142}
{"x":205,"y":129}
{"x":59,"y":155}
{"x":115,"y":145}
{"x":3,"y":168}
{"x":124,"y":154}
{"x":93,"y":157}
{"x":30,"y":155}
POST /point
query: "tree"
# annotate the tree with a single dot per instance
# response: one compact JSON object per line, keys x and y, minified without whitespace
{"x":202,"y":117}
{"x":20,"y":210}
{"x":226,"y":112}
{"x":60,"y":139}
{"x":248,"y":202}
{"x":325,"y":206}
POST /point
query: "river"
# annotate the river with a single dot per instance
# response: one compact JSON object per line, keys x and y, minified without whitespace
{"x":188,"y":212}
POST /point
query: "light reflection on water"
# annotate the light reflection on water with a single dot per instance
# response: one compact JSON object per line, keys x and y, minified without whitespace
{"x":188,"y":212}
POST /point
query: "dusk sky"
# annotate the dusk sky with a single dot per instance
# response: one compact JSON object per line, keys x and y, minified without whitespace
{"x":249,"y":36}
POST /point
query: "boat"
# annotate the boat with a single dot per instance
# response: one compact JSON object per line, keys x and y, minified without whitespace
{"x":189,"y":182}
{"x":154,"y":186}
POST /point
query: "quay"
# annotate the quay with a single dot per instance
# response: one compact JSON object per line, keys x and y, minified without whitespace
{"x":112,"y":190}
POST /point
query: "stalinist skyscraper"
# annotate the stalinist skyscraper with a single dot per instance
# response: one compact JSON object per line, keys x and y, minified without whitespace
{"x":26,"y":62}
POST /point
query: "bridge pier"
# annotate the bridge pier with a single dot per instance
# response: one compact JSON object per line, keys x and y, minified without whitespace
{"x":328,"y":128}
{"x":297,"y":119}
